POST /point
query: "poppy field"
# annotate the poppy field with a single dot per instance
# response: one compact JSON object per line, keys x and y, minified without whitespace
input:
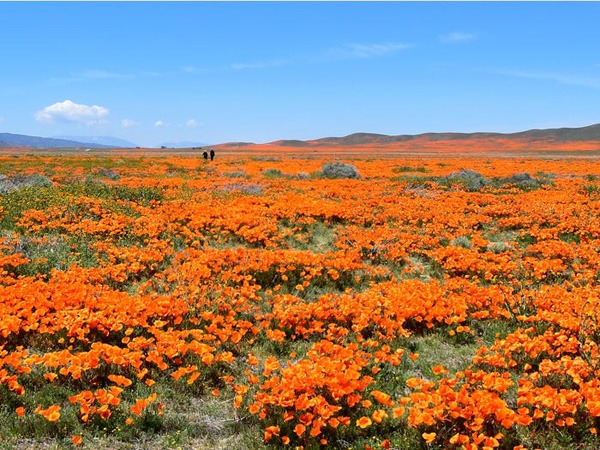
{"x":289,"y":301}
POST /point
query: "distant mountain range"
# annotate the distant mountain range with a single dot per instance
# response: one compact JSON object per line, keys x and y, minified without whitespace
{"x":108,"y":141}
{"x":556,"y":135}
{"x":589,"y":133}
{"x":21,"y":140}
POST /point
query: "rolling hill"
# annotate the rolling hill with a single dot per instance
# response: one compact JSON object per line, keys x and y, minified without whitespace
{"x":589,"y":133}
{"x":552,"y":139}
{"x":22,"y":140}
{"x":539,"y":141}
{"x":108,"y":141}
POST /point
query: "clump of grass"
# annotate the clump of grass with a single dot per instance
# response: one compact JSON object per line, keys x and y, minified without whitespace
{"x":245,"y":188}
{"x":16,"y":201}
{"x":44,"y":254}
{"x":462,"y":241}
{"x":274,"y":173}
{"x":471,"y":180}
{"x":405,"y":169}
{"x":525,"y":181}
{"x":499,"y":247}
{"x":238,"y":174}
{"x":339,"y":170}
{"x":265,"y":158}
{"x":521,"y":177}
{"x":109,"y":173}
{"x":16,"y":182}
{"x":591,"y":189}
{"x":93,"y":187}
{"x":466,"y":179}
{"x":545,"y":175}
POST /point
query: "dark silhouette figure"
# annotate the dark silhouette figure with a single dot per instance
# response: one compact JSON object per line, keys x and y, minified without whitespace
{"x":205,"y":154}
{"x":212,"y":154}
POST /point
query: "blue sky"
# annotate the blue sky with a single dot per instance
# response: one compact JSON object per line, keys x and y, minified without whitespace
{"x":212,"y":72}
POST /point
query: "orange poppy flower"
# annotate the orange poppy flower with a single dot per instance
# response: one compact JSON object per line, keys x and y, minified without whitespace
{"x":429,"y":437}
{"x":363,"y":422}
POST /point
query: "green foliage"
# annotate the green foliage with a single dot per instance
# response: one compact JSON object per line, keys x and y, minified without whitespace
{"x":591,"y":189}
{"x":498,"y":247}
{"x":470,"y":180}
{"x":570,"y":238}
{"x":339,"y":170}
{"x":16,"y":182}
{"x":274,"y":173}
{"x":97,"y":189}
{"x":237,"y":174}
{"x":524,"y":181}
{"x":465,"y":179}
{"x":243,"y":188}
{"x":111,"y":174}
{"x":54,"y":252}
{"x":405,"y":169}
{"x":15,"y":202}
{"x":526,"y":239}
{"x":462,"y":241}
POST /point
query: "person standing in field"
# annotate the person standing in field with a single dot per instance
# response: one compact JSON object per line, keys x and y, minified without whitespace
{"x":212,"y":154}
{"x":205,"y":154}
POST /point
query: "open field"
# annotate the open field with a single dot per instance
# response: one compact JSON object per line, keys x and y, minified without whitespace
{"x":280,"y":301}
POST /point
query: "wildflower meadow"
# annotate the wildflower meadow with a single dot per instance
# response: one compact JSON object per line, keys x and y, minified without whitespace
{"x":346,"y":301}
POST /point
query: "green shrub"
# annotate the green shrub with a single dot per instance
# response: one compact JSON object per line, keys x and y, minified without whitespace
{"x":339,"y":170}
{"x":520,"y":177}
{"x":109,"y":173}
{"x":404,"y":169}
{"x":466,"y":179}
{"x":469,"y":179}
{"x":238,"y":174}
{"x":16,"y":182}
{"x":273,"y":173}
{"x":93,"y":187}
{"x":244,"y":188}
{"x":525,"y":181}
{"x":591,"y":189}
{"x":462,"y":241}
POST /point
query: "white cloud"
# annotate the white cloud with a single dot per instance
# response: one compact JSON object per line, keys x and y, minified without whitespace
{"x":367,"y":50}
{"x":192,"y":123}
{"x":457,"y":36}
{"x":562,"y":78}
{"x":69,"y":111}
{"x":90,"y":75}
{"x":194,"y":69}
{"x":102,"y":75}
{"x":260,"y":65}
{"x":128,"y":123}
{"x":160,"y":124}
